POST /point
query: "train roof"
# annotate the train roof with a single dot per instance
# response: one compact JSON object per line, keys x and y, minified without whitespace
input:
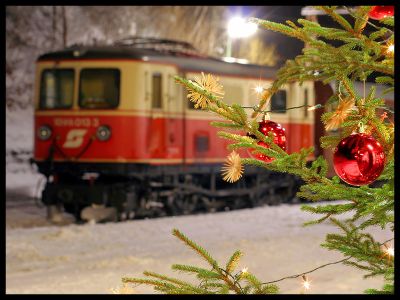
{"x":186,"y":61}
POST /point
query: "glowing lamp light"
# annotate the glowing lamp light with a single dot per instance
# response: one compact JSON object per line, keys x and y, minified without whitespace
{"x":390,"y":48}
{"x":244,"y":270}
{"x":239,"y":28}
{"x":390,"y":251}
{"x":259,"y":89}
{"x":306,"y":283}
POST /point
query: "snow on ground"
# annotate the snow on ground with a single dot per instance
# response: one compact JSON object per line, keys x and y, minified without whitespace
{"x":92,"y":258}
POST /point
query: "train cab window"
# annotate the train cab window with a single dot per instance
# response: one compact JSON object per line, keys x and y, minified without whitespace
{"x":99,"y":88}
{"x":56,"y":88}
{"x":305,"y":103}
{"x":278,"y":102}
{"x":156,"y":101}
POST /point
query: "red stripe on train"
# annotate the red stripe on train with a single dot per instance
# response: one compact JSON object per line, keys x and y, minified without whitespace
{"x":143,"y":138}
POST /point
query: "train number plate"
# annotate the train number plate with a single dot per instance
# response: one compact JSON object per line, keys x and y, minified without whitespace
{"x":76,"y":122}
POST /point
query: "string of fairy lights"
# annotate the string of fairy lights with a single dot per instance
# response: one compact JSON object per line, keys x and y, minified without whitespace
{"x":388,"y":250}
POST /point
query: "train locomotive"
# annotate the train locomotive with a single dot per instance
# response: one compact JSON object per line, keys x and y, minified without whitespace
{"x":113,"y":129}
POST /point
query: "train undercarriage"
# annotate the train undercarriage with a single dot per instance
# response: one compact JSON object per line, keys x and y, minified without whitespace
{"x":145,"y":191}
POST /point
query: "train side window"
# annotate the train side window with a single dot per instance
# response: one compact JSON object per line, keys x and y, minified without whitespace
{"x":201,"y":143}
{"x":56,"y":88}
{"x":157,"y":91}
{"x":305,"y":103}
{"x":278,"y":102}
{"x":99,"y":88}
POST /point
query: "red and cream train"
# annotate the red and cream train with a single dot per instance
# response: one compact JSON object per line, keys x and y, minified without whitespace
{"x":113,"y":129}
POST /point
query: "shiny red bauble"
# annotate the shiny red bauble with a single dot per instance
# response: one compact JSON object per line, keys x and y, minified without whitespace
{"x":380,"y":12}
{"x":265,"y":127}
{"x":359,"y":159}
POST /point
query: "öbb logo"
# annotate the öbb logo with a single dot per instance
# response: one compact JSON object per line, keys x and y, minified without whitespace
{"x":74,"y":138}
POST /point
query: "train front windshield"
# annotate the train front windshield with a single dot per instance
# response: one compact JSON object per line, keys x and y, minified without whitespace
{"x":98,"y":88}
{"x":57,"y":88}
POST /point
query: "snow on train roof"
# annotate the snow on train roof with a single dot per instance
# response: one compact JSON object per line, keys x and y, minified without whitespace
{"x":185,"y":62}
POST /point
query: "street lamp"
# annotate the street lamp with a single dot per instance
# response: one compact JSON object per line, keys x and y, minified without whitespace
{"x":238,"y":28}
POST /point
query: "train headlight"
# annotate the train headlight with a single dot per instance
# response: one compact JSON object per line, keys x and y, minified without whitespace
{"x":103,"y":133}
{"x":44,"y":132}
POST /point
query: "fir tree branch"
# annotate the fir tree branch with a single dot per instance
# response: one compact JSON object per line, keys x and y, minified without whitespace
{"x":201,"y":272}
{"x":338,"y":18}
{"x":166,"y":278}
{"x":196,"y":247}
{"x":151,"y":282}
{"x":233,"y":261}
{"x":319,"y":267}
{"x":208,"y":258}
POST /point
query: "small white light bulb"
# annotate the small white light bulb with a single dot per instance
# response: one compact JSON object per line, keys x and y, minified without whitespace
{"x":390,"y":251}
{"x":258,"y":89}
{"x":306,"y":283}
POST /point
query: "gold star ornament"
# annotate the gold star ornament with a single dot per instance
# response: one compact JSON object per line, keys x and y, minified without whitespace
{"x":341,"y":113}
{"x":233,"y":169}
{"x":208,"y":83}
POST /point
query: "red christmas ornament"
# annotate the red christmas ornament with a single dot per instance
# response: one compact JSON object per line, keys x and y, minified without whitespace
{"x":359,"y":159}
{"x":265,"y":127}
{"x":379,"y":12}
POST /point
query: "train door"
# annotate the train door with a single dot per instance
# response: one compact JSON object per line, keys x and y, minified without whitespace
{"x":156,"y":135}
{"x":299,"y":132}
{"x":164,"y":137}
{"x":300,"y":129}
{"x":194,"y":139}
{"x":174,"y":117}
{"x":306,"y":116}
{"x":183,"y":104}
